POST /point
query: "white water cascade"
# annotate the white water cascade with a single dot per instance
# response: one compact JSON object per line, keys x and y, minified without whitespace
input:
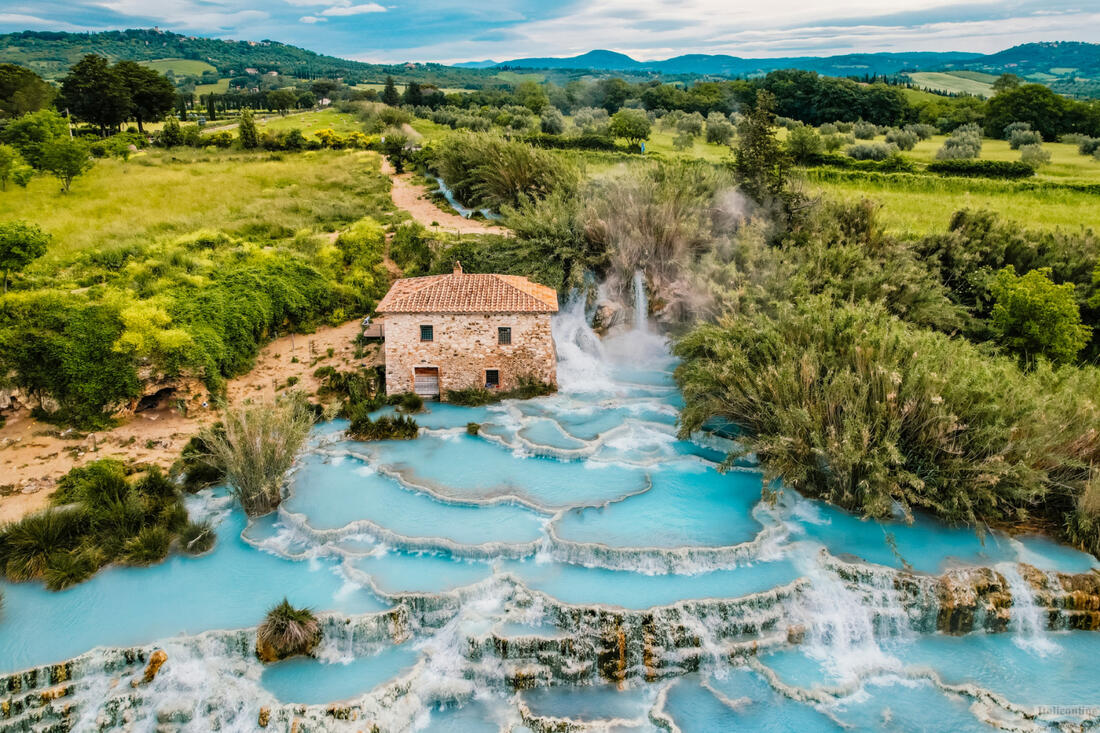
{"x":641,"y":303}
{"x":571,"y":564}
{"x":1028,"y":625}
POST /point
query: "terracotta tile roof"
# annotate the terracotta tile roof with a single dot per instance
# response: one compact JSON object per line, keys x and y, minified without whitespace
{"x":465,"y":293}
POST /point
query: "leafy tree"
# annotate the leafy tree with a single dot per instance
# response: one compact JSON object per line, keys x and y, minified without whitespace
{"x":95,"y":92}
{"x":759,"y":161}
{"x":532,"y":96}
{"x":22,"y":91}
{"x":1032,"y":103}
{"x":32,"y":134}
{"x":804,"y":143}
{"x":390,"y":95}
{"x":306,"y":100}
{"x":20,"y":244}
{"x":683,"y":141}
{"x":66,"y":159}
{"x":13,"y":167}
{"x":393,"y":145}
{"x":413,"y":94}
{"x":1006,"y":82}
{"x":282,"y":100}
{"x":171,"y":135}
{"x":152,"y":95}
{"x":611,"y":93}
{"x":630,"y":124}
{"x":1033,"y":316}
{"x":246,"y":130}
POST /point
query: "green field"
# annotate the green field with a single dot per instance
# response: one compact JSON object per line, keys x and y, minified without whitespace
{"x":954,"y":82}
{"x":911,"y":205}
{"x":221,"y":86}
{"x":163,"y":193}
{"x":179,"y":67}
{"x":378,"y":86}
{"x":919,"y":205}
{"x":515,"y":77}
{"x":917,"y":208}
{"x":311,"y":121}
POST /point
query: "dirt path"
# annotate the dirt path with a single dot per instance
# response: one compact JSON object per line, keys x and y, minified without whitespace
{"x":414,"y":199}
{"x":33,"y":455}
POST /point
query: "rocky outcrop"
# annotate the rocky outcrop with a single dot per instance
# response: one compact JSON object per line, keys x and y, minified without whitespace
{"x":1071,"y":601}
{"x":607,"y":315}
{"x":973,"y":598}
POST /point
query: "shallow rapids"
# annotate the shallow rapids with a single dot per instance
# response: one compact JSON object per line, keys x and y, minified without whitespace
{"x":573,"y":563}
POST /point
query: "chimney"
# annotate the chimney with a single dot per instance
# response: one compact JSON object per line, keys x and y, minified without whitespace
{"x":458,"y":268}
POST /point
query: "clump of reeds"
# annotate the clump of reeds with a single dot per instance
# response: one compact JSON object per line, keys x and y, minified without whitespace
{"x":256,"y":447}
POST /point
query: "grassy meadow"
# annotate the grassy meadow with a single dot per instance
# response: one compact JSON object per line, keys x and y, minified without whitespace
{"x":162,"y":193}
{"x":179,"y":67}
{"x":956,"y":82}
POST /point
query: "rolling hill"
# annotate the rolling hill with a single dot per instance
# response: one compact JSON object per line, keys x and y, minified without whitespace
{"x":1059,"y":64}
{"x":50,"y":54}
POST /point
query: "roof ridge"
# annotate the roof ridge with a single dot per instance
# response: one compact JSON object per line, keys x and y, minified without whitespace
{"x":469,"y":292}
{"x":501,"y":277}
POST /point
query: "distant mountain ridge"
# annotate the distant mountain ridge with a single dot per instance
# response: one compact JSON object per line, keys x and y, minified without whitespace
{"x":1046,"y":61}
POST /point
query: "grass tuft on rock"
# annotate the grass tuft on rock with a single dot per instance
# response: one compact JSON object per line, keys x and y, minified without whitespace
{"x":197,"y":538}
{"x":287,"y":631}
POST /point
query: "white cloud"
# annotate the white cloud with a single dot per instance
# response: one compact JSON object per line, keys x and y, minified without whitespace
{"x":353,"y":9}
{"x":311,"y":19}
{"x":21,"y":20}
{"x":777,"y":28}
{"x":199,"y":15}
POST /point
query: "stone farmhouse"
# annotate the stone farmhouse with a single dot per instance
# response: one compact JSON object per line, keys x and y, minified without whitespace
{"x":457,"y":331}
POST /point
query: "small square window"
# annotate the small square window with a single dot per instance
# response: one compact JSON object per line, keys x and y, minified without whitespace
{"x":504,"y":335}
{"x":492,"y":378}
{"x":427,"y":333}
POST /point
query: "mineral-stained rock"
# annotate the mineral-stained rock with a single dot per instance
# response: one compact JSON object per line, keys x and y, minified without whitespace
{"x":265,"y":717}
{"x":607,"y":315}
{"x":973,"y":598}
{"x":1072,"y":601}
{"x":156,"y":661}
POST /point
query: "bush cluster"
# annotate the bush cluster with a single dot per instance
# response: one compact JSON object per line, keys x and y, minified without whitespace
{"x":849,"y":404}
{"x":486,"y":170}
{"x":204,"y":303}
{"x":981,"y":168}
{"x":965,"y":142}
{"x":871,"y":151}
{"x":528,"y":388}
{"x":100,"y":515}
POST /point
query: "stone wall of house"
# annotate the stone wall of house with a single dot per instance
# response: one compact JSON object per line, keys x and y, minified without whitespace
{"x":464,"y":346}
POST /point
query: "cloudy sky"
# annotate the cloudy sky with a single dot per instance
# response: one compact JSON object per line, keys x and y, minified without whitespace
{"x":458,"y":30}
